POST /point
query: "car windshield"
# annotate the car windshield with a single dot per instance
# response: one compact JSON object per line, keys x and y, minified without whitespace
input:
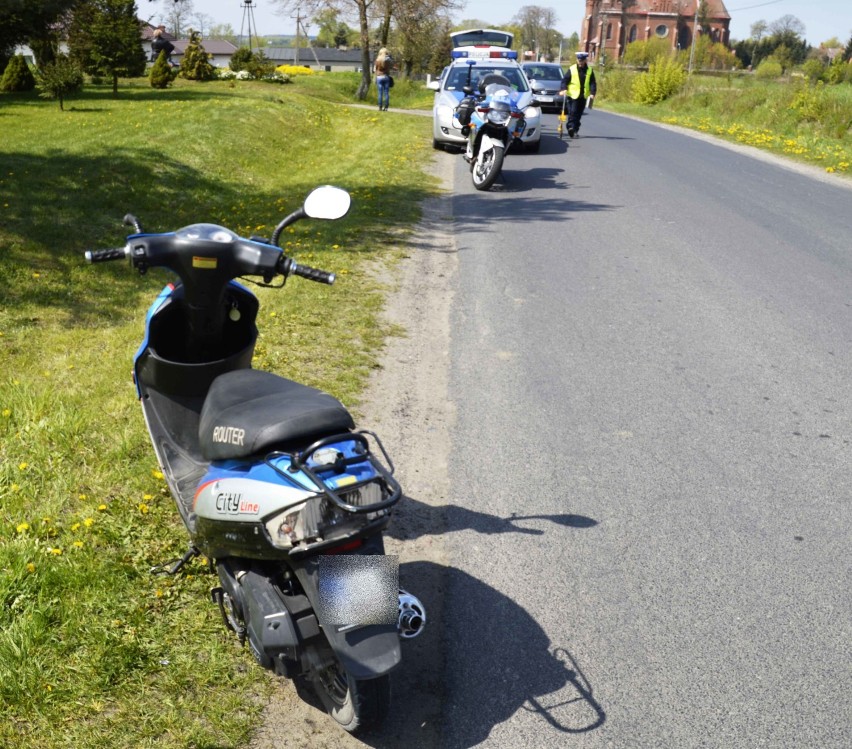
{"x":457,"y":78}
{"x":544,"y":72}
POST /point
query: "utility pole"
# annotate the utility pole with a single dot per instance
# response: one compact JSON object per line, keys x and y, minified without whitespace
{"x":694,"y":32}
{"x":298,"y":29}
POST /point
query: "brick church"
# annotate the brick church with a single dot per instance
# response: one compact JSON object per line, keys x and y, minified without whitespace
{"x":610,"y":25}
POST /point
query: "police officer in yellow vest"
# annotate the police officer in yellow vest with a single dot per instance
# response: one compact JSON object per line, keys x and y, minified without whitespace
{"x":579,"y":84}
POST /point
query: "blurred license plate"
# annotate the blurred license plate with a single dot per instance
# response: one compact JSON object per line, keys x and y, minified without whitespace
{"x":544,"y":98}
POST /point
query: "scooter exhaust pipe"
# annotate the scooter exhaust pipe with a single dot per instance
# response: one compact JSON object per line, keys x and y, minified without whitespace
{"x":412,"y":616}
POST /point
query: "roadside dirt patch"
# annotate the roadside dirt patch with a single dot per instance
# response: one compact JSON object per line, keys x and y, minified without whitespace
{"x":408,"y":407}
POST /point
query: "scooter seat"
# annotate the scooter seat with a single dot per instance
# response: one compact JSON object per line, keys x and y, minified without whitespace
{"x":247,"y":411}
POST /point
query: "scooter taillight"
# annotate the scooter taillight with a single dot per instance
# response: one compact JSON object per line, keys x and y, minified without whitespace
{"x":356,"y":543}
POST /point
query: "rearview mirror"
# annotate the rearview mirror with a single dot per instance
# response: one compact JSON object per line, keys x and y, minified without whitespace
{"x":327,"y":202}
{"x":433,"y":85}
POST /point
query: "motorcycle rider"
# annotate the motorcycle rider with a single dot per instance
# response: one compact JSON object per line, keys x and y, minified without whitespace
{"x":578,"y":85}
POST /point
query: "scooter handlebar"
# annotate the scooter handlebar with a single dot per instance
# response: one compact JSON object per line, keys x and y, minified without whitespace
{"x":102,"y":256}
{"x":312,"y":274}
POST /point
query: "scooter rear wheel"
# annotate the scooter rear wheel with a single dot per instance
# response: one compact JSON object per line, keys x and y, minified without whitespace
{"x":358,"y":705}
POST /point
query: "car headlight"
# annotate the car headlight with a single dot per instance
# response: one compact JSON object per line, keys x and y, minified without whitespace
{"x":532,"y":112}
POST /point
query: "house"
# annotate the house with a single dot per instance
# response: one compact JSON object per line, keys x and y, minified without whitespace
{"x":610,"y":25}
{"x":325,"y":59}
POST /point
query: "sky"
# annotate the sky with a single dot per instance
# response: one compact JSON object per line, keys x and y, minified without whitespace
{"x":823,"y":19}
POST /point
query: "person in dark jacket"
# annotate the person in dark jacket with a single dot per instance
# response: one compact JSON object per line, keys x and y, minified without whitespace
{"x":579,"y":86}
{"x":160,"y":44}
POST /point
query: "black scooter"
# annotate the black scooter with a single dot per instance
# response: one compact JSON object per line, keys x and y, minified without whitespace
{"x":272,"y":480}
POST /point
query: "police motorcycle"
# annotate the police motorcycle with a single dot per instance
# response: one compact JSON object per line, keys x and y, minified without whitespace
{"x":492,"y":122}
{"x":278,"y":490}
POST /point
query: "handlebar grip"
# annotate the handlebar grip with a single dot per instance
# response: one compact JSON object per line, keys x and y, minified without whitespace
{"x":312,"y":274}
{"x":102,"y":256}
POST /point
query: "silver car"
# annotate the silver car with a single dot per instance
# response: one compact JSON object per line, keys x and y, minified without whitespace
{"x":546,"y":82}
{"x":446,"y":130}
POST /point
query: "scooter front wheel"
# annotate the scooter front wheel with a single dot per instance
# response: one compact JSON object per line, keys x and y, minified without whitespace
{"x":358,"y":705}
{"x":486,"y":168}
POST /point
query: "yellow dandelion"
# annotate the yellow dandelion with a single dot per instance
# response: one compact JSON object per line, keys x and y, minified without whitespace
{"x":147,"y":497}
{"x":157,"y":474}
{"x":75,"y":527}
{"x":78,"y":544}
{"x":101,"y":507}
{"x":82,"y":497}
{"x":30,"y":567}
{"x":55,"y":552}
{"x":158,"y":593}
{"x":7,"y":412}
{"x":23,"y":527}
{"x":88,"y":522}
{"x":22,"y":466}
{"x":15,"y":488}
{"x":142,"y":507}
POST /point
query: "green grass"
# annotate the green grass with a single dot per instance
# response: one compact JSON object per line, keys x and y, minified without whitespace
{"x":94,"y":650}
{"x":798,"y":120}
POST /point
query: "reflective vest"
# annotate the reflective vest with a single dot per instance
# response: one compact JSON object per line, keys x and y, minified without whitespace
{"x":574,"y":86}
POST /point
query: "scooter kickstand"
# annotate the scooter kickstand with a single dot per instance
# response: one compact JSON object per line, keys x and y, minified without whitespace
{"x":176,"y":565}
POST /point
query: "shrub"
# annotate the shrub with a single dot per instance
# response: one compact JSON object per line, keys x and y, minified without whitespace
{"x":276,"y":77}
{"x":617,"y":85}
{"x":293,"y":70}
{"x":240,"y":59}
{"x":161,"y":73}
{"x":645,"y":52}
{"x":259,"y":66}
{"x":57,"y":79}
{"x":836,"y":70}
{"x":196,"y":65}
{"x":769,"y":68}
{"x":809,"y":103}
{"x":17,"y":76}
{"x":813,"y":69}
{"x":664,"y":78}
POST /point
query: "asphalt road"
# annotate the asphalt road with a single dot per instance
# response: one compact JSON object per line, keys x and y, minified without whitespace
{"x":648,"y":523}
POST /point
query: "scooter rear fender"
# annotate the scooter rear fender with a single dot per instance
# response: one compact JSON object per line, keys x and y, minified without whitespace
{"x":365,"y":651}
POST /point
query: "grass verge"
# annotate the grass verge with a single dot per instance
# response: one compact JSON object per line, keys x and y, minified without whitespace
{"x":94,"y":650}
{"x":796,"y":119}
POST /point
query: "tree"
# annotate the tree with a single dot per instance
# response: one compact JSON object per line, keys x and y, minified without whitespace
{"x":37,"y":23}
{"x":223,"y":31}
{"x":58,"y":78}
{"x":196,"y":65}
{"x":758,"y":30}
{"x":421,"y":27}
{"x":787,"y":26}
{"x":537,"y":29}
{"x":104,"y":39}
{"x":328,"y":21}
{"x":161,"y":73}
{"x":177,"y":15}
{"x":17,"y":76}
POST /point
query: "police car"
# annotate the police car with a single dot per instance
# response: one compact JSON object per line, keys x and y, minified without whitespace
{"x":476,"y":53}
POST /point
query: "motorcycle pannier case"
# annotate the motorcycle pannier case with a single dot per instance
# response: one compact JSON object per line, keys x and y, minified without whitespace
{"x":464,"y":111}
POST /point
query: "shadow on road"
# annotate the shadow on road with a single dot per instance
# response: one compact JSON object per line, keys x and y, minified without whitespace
{"x":415,"y":519}
{"x":498,"y":663}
